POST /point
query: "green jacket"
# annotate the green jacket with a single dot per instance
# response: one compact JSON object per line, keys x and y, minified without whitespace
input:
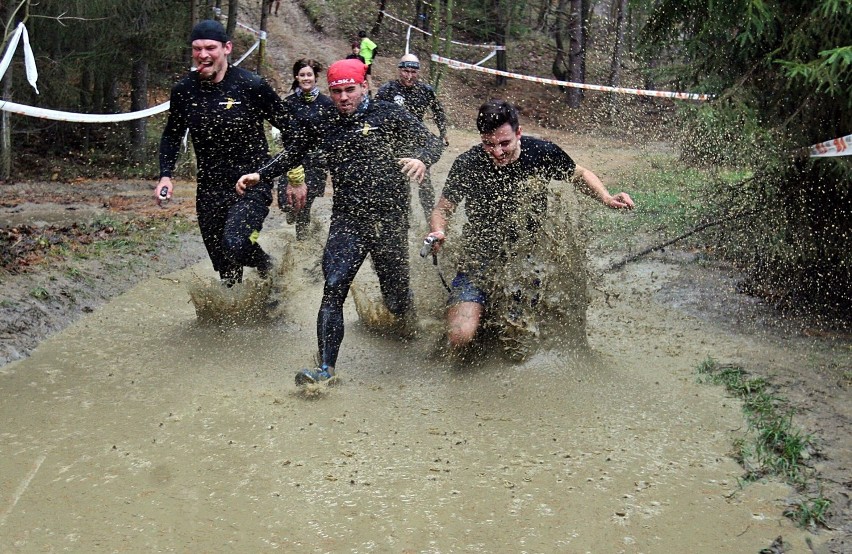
{"x":367,"y":48}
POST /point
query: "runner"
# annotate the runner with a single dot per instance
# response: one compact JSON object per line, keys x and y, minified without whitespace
{"x":503,"y":183}
{"x":372,"y":149}
{"x":224,"y":108}
{"x":417,"y":98}
{"x":306,"y":102}
{"x":367,"y":50}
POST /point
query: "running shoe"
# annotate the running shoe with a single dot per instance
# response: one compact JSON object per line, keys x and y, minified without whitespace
{"x":313,"y":376}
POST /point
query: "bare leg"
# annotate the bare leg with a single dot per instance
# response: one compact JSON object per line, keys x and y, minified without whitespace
{"x":462,"y":323}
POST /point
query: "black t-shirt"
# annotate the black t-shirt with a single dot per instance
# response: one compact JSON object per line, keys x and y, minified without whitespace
{"x":416,"y":99}
{"x":504,"y":203}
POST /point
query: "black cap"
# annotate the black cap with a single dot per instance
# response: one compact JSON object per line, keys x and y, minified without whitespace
{"x":208,"y":29}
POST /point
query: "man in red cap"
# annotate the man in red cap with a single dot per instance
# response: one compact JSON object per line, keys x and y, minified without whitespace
{"x":371,"y":148}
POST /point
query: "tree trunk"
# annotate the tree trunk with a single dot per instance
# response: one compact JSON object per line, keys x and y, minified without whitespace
{"x":586,"y":22}
{"x":193,"y":12}
{"x":618,"y":47}
{"x":377,"y":26}
{"x":447,"y":49}
{"x":233,"y":9}
{"x":266,"y":6}
{"x":501,"y":14}
{"x":109,"y":94}
{"x":576,"y":53}
{"x":617,"y":54}
{"x":437,"y":19}
{"x":139,"y":101}
{"x":6,"y":12}
{"x":6,"y":130}
{"x":560,"y":68}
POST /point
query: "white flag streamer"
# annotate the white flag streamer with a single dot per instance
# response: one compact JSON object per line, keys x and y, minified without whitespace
{"x":29,"y":59}
{"x":58,"y":115}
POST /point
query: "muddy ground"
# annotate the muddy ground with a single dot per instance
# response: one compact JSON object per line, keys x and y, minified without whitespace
{"x":650,"y":325}
{"x":131,"y":367}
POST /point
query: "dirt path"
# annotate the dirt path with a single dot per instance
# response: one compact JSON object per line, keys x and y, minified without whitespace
{"x":138,"y":429}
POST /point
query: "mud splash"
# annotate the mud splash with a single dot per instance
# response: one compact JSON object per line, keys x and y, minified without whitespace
{"x":252,"y":301}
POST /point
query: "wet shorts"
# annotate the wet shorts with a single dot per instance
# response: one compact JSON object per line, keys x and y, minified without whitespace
{"x":463,"y":290}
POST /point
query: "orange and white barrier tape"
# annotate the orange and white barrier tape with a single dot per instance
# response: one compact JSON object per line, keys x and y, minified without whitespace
{"x":455,"y":64}
{"x":841,"y":146}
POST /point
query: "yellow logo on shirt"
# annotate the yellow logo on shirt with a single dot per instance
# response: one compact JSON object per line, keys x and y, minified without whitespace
{"x":229,"y":103}
{"x":367,"y":128}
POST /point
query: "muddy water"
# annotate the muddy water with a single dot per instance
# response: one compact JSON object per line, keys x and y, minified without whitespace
{"x":140,"y":429}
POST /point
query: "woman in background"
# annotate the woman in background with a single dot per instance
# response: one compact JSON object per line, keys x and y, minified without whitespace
{"x":307,"y":102}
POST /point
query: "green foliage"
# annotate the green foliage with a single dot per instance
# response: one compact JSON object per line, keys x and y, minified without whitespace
{"x":782,"y":72}
{"x":671,"y":199}
{"x":40,"y":293}
{"x":810,"y":512}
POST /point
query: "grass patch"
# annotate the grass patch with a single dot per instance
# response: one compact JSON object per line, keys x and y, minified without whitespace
{"x":772,"y":445}
{"x":671,"y":199}
{"x":29,"y":246}
{"x":40,"y":293}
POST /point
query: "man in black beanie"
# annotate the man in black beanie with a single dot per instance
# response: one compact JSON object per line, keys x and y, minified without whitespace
{"x":224,"y":108}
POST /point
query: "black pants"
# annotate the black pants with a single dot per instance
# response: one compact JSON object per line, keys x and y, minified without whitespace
{"x":315,"y":180}
{"x":349,"y":242}
{"x":230,"y":224}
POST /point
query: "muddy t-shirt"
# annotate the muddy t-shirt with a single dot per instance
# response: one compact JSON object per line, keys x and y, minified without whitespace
{"x":504,"y":204}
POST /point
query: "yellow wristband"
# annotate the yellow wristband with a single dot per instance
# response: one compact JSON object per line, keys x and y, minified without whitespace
{"x":296,"y":176}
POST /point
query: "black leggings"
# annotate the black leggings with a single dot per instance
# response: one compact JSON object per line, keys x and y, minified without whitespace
{"x":230,"y":225}
{"x":349,"y":242}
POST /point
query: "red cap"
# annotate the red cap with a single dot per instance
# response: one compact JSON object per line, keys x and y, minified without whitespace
{"x":346,"y":72}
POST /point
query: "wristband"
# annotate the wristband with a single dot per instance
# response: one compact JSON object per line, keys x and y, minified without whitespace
{"x":296,"y":176}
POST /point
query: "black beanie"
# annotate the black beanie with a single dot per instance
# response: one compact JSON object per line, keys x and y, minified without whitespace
{"x":208,"y":30}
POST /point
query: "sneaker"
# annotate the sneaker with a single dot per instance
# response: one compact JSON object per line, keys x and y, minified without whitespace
{"x":264,"y":269}
{"x":313,"y":376}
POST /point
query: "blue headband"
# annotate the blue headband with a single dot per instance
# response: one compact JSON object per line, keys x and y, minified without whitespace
{"x":409,"y":65}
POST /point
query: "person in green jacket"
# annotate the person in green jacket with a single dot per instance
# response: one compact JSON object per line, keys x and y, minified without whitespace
{"x":368,"y":52}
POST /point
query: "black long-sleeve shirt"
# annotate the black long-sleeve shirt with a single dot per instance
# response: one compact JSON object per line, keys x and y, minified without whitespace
{"x":417,"y":99}
{"x":225,"y":122}
{"x":301,"y":109}
{"x":361,"y":151}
